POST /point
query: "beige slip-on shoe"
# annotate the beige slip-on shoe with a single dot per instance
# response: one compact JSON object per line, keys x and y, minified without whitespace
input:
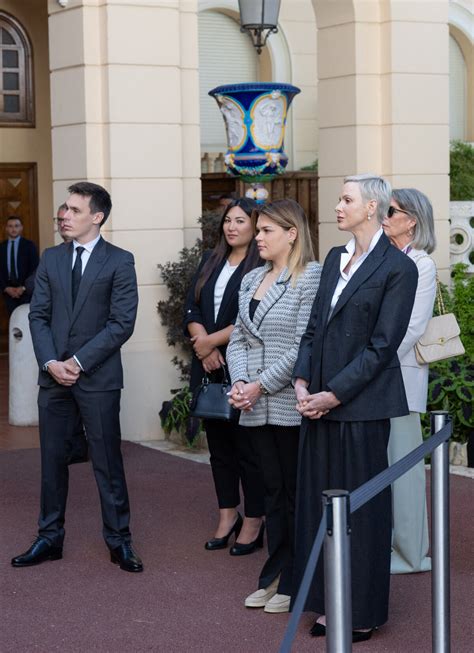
{"x":278,"y":603}
{"x":260,"y":598}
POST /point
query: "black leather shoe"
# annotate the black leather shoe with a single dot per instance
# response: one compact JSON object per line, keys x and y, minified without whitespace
{"x":126,"y":557}
{"x":244,"y":549}
{"x":40,"y":551}
{"x":319,"y":630}
{"x":221,"y":542}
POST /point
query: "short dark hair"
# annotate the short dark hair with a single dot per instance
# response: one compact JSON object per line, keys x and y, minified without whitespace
{"x":14,"y":217}
{"x":99,"y":198}
{"x":62,"y":207}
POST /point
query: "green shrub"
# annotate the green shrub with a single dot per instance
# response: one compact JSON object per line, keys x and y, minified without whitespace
{"x":177,"y":277}
{"x":311,"y":166}
{"x":451,"y":382}
{"x":461,"y":172}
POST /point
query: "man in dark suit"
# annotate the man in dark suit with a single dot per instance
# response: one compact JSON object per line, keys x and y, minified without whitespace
{"x":83,"y":310}
{"x":18,"y":260}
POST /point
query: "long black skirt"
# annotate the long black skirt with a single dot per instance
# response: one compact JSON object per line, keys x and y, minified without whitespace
{"x":344,"y":455}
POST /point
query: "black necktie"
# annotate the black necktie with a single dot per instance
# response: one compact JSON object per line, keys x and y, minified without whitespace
{"x":13,"y":276}
{"x":76,"y":274}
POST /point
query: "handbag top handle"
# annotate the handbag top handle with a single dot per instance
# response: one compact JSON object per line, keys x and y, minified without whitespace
{"x":225,"y":376}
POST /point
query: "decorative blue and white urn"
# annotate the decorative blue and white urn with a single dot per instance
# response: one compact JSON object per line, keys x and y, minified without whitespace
{"x":255,"y":120}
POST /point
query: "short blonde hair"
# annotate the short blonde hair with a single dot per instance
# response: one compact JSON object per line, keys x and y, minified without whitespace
{"x":287,"y":213}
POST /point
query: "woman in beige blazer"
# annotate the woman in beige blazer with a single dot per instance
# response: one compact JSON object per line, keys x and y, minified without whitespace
{"x":274,"y":307}
{"x":409,"y":225}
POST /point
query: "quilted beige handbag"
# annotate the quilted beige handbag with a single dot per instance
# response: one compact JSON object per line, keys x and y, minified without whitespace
{"x":441,"y":339}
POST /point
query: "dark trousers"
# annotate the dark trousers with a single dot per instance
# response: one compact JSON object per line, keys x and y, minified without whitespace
{"x":234,"y":460}
{"x":11,"y":303}
{"x":277,"y":448}
{"x":344,"y":455}
{"x":59,"y":407}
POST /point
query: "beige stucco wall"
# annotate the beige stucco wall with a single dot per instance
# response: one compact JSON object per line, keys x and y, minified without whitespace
{"x":33,"y":144}
{"x":383,"y":103}
{"x":130,"y":122}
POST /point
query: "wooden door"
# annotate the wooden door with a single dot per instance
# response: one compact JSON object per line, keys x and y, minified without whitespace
{"x":18,"y":196}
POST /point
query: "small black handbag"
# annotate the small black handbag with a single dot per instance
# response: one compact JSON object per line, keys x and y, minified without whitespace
{"x":210,"y":400}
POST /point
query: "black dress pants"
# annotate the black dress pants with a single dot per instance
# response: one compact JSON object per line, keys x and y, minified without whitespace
{"x":277,"y":448}
{"x":234,"y":459}
{"x":59,"y":407}
{"x":344,"y":455}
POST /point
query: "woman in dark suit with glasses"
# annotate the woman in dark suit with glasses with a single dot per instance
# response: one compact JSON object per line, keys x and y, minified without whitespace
{"x":211,"y":310}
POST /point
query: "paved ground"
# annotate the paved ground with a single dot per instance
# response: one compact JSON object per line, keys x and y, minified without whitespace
{"x":188,"y":600}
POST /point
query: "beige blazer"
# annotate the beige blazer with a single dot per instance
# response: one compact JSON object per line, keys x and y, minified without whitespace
{"x":415,"y":376}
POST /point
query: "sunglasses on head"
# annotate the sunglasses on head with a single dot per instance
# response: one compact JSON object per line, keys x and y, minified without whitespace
{"x":393,"y":209}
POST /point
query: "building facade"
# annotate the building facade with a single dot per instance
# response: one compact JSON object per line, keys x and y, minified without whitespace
{"x":116,"y":93}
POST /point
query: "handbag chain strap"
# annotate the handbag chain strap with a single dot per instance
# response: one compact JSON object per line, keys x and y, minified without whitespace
{"x":439,"y":297}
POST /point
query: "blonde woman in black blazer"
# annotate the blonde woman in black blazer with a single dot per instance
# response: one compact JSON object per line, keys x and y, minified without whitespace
{"x":211,"y":310}
{"x":348,"y":386}
{"x":274,"y":306}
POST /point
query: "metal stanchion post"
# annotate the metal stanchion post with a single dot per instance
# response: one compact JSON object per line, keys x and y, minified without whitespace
{"x":440,"y":590}
{"x":337,"y":572}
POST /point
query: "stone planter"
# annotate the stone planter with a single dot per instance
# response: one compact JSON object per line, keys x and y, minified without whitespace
{"x":458,"y":453}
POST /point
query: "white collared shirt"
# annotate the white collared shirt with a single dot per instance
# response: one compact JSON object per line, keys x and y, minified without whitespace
{"x":86,"y":254}
{"x":346,"y":256}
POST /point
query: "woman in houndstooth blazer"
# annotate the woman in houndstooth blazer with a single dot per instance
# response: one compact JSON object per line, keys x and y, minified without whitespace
{"x":274,"y":306}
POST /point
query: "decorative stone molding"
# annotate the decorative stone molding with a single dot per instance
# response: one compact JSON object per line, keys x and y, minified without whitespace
{"x":462,"y":233}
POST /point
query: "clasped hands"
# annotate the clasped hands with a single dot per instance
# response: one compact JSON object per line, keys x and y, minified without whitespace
{"x":210,"y":356}
{"x":14,"y":292}
{"x":244,"y":395}
{"x":313,"y":406}
{"x":64,"y":372}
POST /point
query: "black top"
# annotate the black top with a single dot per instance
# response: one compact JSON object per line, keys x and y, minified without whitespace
{"x":253,"y":307}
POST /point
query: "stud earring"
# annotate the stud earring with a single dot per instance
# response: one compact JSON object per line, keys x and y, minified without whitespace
{"x":369,"y":216}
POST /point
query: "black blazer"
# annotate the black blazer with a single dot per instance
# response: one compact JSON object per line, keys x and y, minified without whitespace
{"x":26,"y":262}
{"x":203,"y":311}
{"x":354,"y":353}
{"x":101,"y":321}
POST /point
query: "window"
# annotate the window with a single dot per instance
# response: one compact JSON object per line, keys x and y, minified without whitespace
{"x":226,"y":56}
{"x":16,"y":87}
{"x":457,"y":91}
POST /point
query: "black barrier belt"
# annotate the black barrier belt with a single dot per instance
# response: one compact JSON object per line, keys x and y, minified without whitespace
{"x":357,"y":499}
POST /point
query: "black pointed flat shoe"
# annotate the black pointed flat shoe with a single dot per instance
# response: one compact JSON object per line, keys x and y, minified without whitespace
{"x":319,"y":630}
{"x":221,"y":542}
{"x":244,"y":549}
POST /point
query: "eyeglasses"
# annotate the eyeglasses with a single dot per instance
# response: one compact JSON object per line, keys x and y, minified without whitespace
{"x":58,"y":220}
{"x":393,"y":209}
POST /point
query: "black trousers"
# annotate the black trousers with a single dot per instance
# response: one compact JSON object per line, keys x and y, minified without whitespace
{"x":344,"y":455}
{"x":234,"y":460}
{"x":59,"y":408}
{"x":277,"y":448}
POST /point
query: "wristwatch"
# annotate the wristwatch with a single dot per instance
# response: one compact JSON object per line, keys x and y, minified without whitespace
{"x":262,"y":388}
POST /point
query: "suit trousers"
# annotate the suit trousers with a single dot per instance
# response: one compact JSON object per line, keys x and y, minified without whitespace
{"x":234,"y":460}
{"x":344,"y":455}
{"x":59,"y":407}
{"x":277,"y":448}
{"x":410,"y":540}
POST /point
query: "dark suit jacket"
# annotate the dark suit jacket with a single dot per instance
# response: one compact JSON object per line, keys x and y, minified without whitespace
{"x":354,"y":353}
{"x":203,"y":311}
{"x":101,"y":321}
{"x":26,"y":262}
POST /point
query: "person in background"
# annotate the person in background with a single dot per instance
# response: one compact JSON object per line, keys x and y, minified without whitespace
{"x":211,"y":310}
{"x":18,"y":260}
{"x":348,"y":385}
{"x":274,"y":307}
{"x":409,"y":225}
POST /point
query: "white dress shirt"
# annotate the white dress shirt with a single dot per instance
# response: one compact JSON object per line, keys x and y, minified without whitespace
{"x":221,"y":283}
{"x":346,"y":256}
{"x":86,"y":254}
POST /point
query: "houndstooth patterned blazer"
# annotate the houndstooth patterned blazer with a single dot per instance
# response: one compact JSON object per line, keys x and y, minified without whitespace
{"x":267,"y":347}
